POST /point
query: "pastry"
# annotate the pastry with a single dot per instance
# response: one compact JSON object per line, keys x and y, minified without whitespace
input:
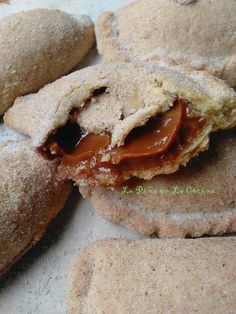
{"x":37,"y":47}
{"x":154,"y":276}
{"x":31,"y":197}
{"x":196,"y":200}
{"x":199,"y":33}
{"x":110,"y":122}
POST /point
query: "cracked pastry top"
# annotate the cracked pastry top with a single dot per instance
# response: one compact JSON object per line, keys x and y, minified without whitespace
{"x":198,"y":33}
{"x":110,"y":122}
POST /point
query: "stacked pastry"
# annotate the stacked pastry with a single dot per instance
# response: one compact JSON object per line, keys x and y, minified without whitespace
{"x":150,"y":139}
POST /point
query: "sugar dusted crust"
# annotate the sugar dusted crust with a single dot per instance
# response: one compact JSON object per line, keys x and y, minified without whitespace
{"x":30,"y":197}
{"x":140,"y":31}
{"x":131,"y":94}
{"x":154,"y":276}
{"x":127,"y":96}
{"x":37,"y":47}
{"x":172,"y":214}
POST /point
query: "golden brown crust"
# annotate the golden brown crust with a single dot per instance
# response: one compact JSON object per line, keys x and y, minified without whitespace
{"x":141,"y":31}
{"x":206,"y":205}
{"x":154,"y":276}
{"x":31,"y":197}
{"x":37,"y":47}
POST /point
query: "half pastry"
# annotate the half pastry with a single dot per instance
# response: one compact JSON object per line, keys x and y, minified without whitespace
{"x":196,"y":200}
{"x":38,"y":47}
{"x":154,"y":276}
{"x":30,"y":198}
{"x":199,"y":33}
{"x":111,"y":122}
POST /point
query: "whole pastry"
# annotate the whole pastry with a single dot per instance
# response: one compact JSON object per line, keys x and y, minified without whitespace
{"x":200,"y":33}
{"x":30,"y":198}
{"x":37,"y":47}
{"x":110,"y":122}
{"x":154,"y":276}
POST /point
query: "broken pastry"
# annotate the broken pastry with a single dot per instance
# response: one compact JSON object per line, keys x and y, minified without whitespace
{"x":154,"y":276}
{"x":198,"y":33}
{"x":199,"y":199}
{"x":111,"y":122}
{"x":31,"y":197}
{"x":37,"y":47}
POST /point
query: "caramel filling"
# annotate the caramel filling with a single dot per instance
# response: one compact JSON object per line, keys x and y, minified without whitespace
{"x":159,"y":141}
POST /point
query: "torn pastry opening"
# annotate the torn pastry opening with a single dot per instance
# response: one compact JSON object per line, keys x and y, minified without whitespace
{"x":91,"y":158}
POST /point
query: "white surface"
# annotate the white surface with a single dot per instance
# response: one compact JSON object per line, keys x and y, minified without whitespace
{"x":37,"y":283}
{"x":76,"y":7}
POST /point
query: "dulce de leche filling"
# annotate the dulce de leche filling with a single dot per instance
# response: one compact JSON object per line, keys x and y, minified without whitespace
{"x":146,"y":147}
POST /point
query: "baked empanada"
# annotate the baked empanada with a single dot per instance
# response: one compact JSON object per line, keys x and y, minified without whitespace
{"x":37,"y":47}
{"x":111,"y":122}
{"x":31,"y":196}
{"x":198,"y":33}
{"x":154,"y":276}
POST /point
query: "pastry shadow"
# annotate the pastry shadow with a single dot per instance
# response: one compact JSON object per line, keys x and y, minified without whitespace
{"x":91,"y":58}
